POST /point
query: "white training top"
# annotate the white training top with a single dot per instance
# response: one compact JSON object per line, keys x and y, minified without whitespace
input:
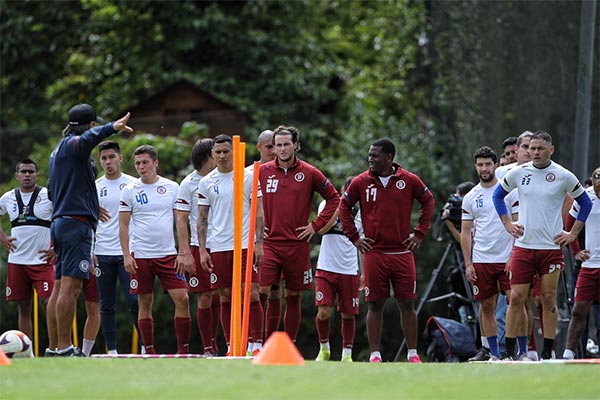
{"x":187,"y":200}
{"x":151,"y":207}
{"x":29,"y":239}
{"x":541,"y":196}
{"x":592,"y":229}
{"x":107,"y":233}
{"x":216,"y":191}
{"x":337,"y":253}
{"x":491,"y":243}
{"x":503,"y":170}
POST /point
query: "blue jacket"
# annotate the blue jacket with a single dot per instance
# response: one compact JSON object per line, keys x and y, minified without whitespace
{"x":71,"y":182}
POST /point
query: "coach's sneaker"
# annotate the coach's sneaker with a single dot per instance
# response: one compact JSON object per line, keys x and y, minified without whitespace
{"x":324,"y":355}
{"x":483,"y":354}
{"x":415,"y":359}
{"x":50,"y":353}
{"x":533,"y":355}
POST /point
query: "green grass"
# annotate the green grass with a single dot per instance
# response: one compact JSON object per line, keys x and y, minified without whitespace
{"x":239,"y":379}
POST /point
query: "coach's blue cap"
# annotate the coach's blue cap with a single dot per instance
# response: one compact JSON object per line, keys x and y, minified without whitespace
{"x":83,"y":114}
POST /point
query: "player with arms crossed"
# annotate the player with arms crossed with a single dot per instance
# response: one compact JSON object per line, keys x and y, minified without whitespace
{"x":486,"y":247}
{"x":385,"y":193}
{"x":288,"y":186}
{"x":215,"y":232}
{"x":542,"y":186}
{"x":149,"y":203}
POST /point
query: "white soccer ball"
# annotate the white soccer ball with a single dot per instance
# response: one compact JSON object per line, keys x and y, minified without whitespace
{"x":15,"y":344}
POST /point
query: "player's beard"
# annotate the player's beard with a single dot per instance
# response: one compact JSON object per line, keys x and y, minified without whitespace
{"x":489,"y":178}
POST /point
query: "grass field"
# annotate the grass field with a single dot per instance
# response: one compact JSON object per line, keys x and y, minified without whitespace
{"x":239,"y":379}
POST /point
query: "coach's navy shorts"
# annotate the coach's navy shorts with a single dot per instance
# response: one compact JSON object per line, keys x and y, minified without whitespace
{"x":72,"y":241}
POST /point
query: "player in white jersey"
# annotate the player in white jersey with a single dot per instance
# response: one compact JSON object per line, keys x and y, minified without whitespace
{"x":486,"y":247}
{"x":522,"y":154}
{"x":587,"y":290}
{"x":107,"y":249}
{"x":215,"y":232}
{"x":30,"y":213}
{"x":186,"y":212}
{"x":149,"y":205}
{"x":338,"y":275}
{"x":542,"y":186}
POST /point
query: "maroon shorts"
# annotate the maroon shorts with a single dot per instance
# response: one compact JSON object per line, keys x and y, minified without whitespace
{"x":222,"y":275}
{"x":526,"y":263}
{"x":199,"y":281}
{"x":21,"y":278}
{"x":329,"y":284}
{"x":588,"y":285}
{"x":491,"y":279}
{"x":90,"y":287}
{"x":290,"y":262}
{"x":382,"y":269}
{"x":142,"y":282}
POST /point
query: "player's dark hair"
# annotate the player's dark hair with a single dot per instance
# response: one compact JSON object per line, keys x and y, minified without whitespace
{"x":287,"y":130}
{"x":26,"y":161}
{"x":387,"y":146}
{"x":109,"y":145}
{"x":464,"y":188}
{"x":201,"y":152}
{"x":509,"y":141}
{"x":347,"y":182}
{"x":146,"y":149}
{"x":223,"y":139}
{"x":485,"y":152}
{"x":541,"y":135}
{"x":75,"y":129}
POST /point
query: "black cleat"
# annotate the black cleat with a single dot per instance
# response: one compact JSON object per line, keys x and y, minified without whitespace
{"x":72,"y":352}
{"x":506,"y":357}
{"x":50,"y":353}
{"x":483,"y":354}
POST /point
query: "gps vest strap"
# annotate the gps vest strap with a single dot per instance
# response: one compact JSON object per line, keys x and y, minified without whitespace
{"x":26,"y":216}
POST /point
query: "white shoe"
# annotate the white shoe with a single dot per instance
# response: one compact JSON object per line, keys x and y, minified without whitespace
{"x":533,"y":355}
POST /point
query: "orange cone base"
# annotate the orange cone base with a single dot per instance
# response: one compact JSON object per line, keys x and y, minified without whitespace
{"x":4,"y":360}
{"x":279,"y":350}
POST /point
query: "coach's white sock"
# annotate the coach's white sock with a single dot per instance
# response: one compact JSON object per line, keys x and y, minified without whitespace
{"x":113,"y":352}
{"x":88,"y":345}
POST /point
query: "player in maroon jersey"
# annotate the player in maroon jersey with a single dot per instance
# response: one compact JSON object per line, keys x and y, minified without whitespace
{"x":288,"y":186}
{"x":385,"y":193}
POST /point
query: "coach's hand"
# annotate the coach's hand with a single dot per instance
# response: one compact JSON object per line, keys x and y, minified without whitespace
{"x":121,"y":124}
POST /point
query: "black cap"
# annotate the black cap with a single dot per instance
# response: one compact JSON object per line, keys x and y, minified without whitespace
{"x":83,"y":114}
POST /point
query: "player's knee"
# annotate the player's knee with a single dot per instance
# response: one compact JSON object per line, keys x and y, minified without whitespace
{"x":581,"y":310}
{"x":324,"y":312}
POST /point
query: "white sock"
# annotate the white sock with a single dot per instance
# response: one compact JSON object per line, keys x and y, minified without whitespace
{"x":88,"y":345}
{"x":143,"y":350}
{"x":325,"y":346}
{"x":257,"y":346}
{"x":411,"y":353}
{"x":375,"y":354}
{"x":346,"y":351}
{"x":113,"y":352}
{"x":568,"y":354}
{"x":484,"y":342}
{"x":250,"y":347}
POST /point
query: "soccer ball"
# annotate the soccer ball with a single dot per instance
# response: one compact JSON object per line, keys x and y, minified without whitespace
{"x":15,"y":344}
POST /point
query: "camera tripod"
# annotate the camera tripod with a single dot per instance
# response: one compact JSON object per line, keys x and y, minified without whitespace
{"x":458,"y":262}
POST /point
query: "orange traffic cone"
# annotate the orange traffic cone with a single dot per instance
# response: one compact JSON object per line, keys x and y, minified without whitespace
{"x":4,"y":360}
{"x":279,"y":350}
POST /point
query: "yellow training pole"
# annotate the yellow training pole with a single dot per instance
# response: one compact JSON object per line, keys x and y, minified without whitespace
{"x":238,"y":186}
{"x":250,"y":257}
{"x":36,"y":332}
{"x":134,"y":341}
{"x":75,"y":335}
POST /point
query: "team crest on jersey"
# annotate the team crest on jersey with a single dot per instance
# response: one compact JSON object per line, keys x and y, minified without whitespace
{"x":161,"y":190}
{"x":84,"y":265}
{"x":194,"y":282}
{"x":400,"y":184}
{"x":213,"y":278}
{"x":97,"y":272}
{"x":38,"y":200}
{"x":367,"y":291}
{"x":122,"y":185}
{"x":475,"y":290}
{"x":299,"y":177}
{"x":319,"y":296}
{"x":550,"y":177}
{"x":8,"y":291}
{"x":133,"y":284}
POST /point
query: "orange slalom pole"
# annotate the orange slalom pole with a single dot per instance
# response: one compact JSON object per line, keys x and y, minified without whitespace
{"x":238,"y":185}
{"x":134,"y":341}
{"x":36,"y":325}
{"x":75,"y":334}
{"x":250,"y":257}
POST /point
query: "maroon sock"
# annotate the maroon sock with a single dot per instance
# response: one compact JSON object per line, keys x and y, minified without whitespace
{"x":204,"y":321}
{"x":226,"y":319}
{"x":273,"y":316}
{"x":263,"y":300}
{"x":183,"y":329}
{"x":348,"y":331}
{"x":322,"y":329}
{"x":293,"y":316}
{"x":146,"y":327}
{"x":216,"y":311}
{"x":256,"y":321}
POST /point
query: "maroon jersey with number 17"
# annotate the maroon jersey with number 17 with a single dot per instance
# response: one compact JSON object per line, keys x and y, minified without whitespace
{"x":288,"y":199}
{"x":386,"y":211}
